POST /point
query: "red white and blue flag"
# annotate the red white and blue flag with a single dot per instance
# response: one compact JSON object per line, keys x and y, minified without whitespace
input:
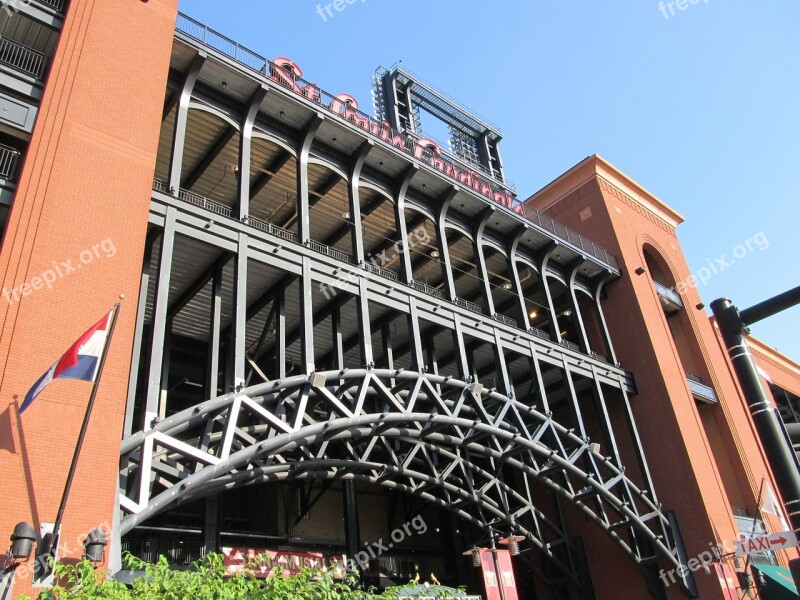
{"x":80,"y":362}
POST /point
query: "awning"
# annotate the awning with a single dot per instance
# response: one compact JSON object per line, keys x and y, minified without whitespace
{"x":778,"y":583}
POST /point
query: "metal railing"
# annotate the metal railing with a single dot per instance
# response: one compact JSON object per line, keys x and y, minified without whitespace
{"x":177,"y":552}
{"x":504,"y":319}
{"x":468,"y":305}
{"x":542,"y":335}
{"x":404,"y":143}
{"x":24,"y":59}
{"x":57,"y":5}
{"x":600,"y":357}
{"x":272,"y":229}
{"x":385,"y":273}
{"x":328,"y":251}
{"x":570,"y":345}
{"x":668,"y":293}
{"x":203,"y":202}
{"x":427,"y":289}
{"x":9,"y":159}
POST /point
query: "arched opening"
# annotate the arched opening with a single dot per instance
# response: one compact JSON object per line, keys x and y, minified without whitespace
{"x":378,"y":230}
{"x":329,"y":208}
{"x":534,"y":297}
{"x":273,"y":183}
{"x":501,"y":284}
{"x":466,"y":278}
{"x":566,"y":328}
{"x":426,"y":263}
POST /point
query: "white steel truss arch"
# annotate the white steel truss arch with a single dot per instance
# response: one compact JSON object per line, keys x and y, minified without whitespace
{"x":475,"y":452}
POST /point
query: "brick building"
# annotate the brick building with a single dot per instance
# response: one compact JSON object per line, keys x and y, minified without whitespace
{"x":335,"y":326}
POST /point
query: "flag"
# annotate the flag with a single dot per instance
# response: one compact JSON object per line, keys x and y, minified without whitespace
{"x":79,"y":362}
{"x":771,"y":506}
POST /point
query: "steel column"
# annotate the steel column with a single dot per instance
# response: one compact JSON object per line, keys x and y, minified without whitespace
{"x":544,"y":258}
{"x":601,"y":318}
{"x":306,"y":319}
{"x":444,"y":202}
{"x":400,"y":222}
{"x":245,"y":152}
{"x":159,"y":318}
{"x":138,"y":333}
{"x":181,"y":120}
{"x":480,"y":261}
{"x":215,"y":317}
{"x":303,"y":209}
{"x":239,"y":325}
{"x":354,"y":199}
{"x":577,"y":319}
{"x":514,"y":270}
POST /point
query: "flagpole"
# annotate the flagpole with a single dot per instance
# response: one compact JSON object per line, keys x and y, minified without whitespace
{"x":51,"y":551}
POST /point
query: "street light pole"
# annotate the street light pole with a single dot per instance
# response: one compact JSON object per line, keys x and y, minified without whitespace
{"x":733,"y":326}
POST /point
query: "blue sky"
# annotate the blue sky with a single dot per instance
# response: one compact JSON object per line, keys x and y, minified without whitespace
{"x":701,"y":107}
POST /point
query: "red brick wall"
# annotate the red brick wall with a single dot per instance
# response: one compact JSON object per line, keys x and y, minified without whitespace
{"x":86,"y":181}
{"x":704,"y":459}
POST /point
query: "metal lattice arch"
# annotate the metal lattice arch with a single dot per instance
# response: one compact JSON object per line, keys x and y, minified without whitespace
{"x":470,"y":450}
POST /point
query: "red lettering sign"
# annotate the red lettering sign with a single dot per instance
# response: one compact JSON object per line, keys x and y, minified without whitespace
{"x":263,"y":563}
{"x":286,"y":73}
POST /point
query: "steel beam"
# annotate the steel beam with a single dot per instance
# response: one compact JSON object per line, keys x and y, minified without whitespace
{"x":181,"y":120}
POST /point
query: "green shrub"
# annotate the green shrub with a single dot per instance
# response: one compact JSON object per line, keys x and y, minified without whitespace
{"x":205,"y":579}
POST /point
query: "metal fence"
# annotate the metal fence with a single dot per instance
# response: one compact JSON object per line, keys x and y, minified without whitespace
{"x":9,"y":158}
{"x":22,"y":58}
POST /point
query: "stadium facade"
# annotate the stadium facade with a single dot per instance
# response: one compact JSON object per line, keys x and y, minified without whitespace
{"x":338,"y":332}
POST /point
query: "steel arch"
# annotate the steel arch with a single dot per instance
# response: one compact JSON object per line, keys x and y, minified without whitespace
{"x":448,"y":441}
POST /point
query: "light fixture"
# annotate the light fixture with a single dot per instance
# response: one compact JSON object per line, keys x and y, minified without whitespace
{"x":512,"y":541}
{"x":94,"y":545}
{"x":533,"y":314}
{"x":345,"y":215}
{"x":435,"y":254}
{"x":639,"y":271}
{"x":475,"y":554}
{"x":566,"y":313}
{"x":507,"y":285}
{"x":22,"y":541}
{"x":224,"y":85}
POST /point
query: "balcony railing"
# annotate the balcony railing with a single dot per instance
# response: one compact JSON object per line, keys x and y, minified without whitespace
{"x":542,"y":335}
{"x":328,"y":251}
{"x":404,"y":143}
{"x":272,"y":229}
{"x":700,"y":390}
{"x":22,"y":58}
{"x":9,"y":158}
{"x":504,"y":319}
{"x":569,"y":345}
{"x":386,"y":273}
{"x":427,"y":289}
{"x":468,"y":305}
{"x":57,"y":5}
